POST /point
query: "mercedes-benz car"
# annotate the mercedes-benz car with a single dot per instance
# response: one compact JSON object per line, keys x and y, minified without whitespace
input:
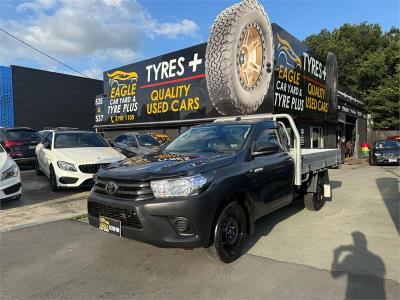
{"x":71,"y":158}
{"x":385,"y":152}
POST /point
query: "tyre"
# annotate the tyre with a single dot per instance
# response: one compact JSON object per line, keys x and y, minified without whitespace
{"x":53,"y":180}
{"x":239,"y":58}
{"x":229,"y":233}
{"x":315,"y":201}
{"x":371,"y":161}
{"x":331,"y":82}
{"x":37,"y":168}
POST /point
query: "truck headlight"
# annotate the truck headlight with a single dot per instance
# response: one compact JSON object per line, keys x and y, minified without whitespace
{"x":181,"y":186}
{"x":66,"y":166}
{"x":10,"y":172}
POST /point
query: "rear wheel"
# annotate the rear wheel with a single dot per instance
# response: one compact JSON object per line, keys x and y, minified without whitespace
{"x":229,"y":233}
{"x":53,"y":180}
{"x":315,"y":201}
{"x":37,"y":168}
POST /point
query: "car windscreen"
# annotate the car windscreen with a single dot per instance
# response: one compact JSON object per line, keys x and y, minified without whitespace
{"x":387,"y":144}
{"x":79,"y":140}
{"x":218,"y":138}
{"x":146,"y":140}
{"x":16,"y":134}
{"x":1,"y":149}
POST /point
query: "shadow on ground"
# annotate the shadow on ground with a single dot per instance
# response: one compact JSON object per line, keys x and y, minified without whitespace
{"x":389,"y":189}
{"x":365,"y":270}
{"x":266,"y":224}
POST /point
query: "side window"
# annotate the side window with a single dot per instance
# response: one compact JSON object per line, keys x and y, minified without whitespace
{"x":269,"y":136}
{"x":121,"y":139}
{"x":49,"y":138}
{"x":131,"y":140}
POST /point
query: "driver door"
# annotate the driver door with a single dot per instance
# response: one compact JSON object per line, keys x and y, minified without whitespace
{"x":271,"y":175}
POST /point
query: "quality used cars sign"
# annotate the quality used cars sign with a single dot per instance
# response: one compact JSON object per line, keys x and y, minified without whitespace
{"x":176,"y":86}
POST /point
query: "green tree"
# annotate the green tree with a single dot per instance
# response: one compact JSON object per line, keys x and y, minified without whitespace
{"x":368,"y":62}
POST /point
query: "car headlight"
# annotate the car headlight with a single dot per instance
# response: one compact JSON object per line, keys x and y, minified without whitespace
{"x":378,"y":154}
{"x":181,"y":186}
{"x":66,"y":166}
{"x":10,"y":172}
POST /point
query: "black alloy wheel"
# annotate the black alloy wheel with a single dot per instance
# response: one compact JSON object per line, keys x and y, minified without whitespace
{"x":229,"y":233}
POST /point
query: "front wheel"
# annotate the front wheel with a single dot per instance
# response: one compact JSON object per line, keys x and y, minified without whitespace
{"x":53,"y":180}
{"x":229,"y":233}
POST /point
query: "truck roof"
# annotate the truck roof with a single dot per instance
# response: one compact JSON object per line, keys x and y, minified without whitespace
{"x":245,"y":121}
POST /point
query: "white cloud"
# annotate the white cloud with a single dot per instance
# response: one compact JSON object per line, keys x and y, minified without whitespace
{"x":86,"y":29}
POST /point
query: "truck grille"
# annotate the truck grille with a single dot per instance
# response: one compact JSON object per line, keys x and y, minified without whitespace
{"x":91,"y":168}
{"x":128,"y":217}
{"x":127,"y":190}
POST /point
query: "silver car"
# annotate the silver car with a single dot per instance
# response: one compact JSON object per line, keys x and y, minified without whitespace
{"x":133,"y":144}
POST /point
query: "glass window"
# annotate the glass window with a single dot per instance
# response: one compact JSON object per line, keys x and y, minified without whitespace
{"x":1,"y":149}
{"x":317,"y":140}
{"x":79,"y":140}
{"x":268,"y":135}
{"x":22,"y":134}
{"x":387,"y":144}
{"x":146,"y":140}
{"x":48,"y":137}
{"x":121,"y":139}
{"x":216,"y":138}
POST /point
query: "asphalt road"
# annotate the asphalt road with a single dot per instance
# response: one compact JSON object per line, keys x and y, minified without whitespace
{"x":350,"y":249}
{"x":36,"y":189}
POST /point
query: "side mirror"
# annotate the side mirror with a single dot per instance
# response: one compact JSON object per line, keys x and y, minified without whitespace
{"x":263,"y":148}
{"x":46,"y":145}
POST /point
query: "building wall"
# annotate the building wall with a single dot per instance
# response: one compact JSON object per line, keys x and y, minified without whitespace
{"x":48,"y":99}
{"x":6,"y":98}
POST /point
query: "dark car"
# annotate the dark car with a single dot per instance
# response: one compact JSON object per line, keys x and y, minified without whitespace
{"x":133,"y":144}
{"x":20,"y":143}
{"x":385,"y":152}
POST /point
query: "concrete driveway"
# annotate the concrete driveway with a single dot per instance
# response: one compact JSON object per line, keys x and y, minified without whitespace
{"x":349,"y":249}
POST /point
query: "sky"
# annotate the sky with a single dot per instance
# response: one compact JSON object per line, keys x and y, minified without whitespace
{"x":93,"y":36}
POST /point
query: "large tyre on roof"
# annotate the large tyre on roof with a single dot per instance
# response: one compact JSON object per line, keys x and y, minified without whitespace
{"x":331,"y":81}
{"x":239,"y":58}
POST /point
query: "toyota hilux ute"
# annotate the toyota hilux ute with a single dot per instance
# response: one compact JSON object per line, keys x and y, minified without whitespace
{"x":209,"y":185}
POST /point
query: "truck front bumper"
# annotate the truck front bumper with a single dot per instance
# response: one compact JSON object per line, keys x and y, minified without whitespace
{"x":159,"y":221}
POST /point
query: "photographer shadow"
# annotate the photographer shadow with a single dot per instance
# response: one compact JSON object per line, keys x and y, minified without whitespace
{"x":365,"y":270}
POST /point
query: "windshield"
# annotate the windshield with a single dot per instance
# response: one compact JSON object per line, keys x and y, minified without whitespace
{"x":1,"y":149}
{"x":79,"y":140}
{"x":22,"y":134}
{"x":146,"y":140}
{"x":218,"y":138}
{"x":387,"y":144}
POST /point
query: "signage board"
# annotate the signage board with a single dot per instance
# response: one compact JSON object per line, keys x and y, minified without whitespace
{"x":173,"y":87}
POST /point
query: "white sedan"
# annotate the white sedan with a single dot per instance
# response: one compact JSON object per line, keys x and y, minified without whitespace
{"x":10,"y":177}
{"x":71,"y":158}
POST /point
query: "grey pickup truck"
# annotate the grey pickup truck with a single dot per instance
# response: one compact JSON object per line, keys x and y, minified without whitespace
{"x":209,"y":186}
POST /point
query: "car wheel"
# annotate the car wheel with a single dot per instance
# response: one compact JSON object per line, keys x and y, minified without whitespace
{"x":372,"y":161}
{"x":229,"y":234}
{"x":37,"y":168}
{"x":315,"y":201}
{"x":239,"y":58}
{"x":53,"y":180}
